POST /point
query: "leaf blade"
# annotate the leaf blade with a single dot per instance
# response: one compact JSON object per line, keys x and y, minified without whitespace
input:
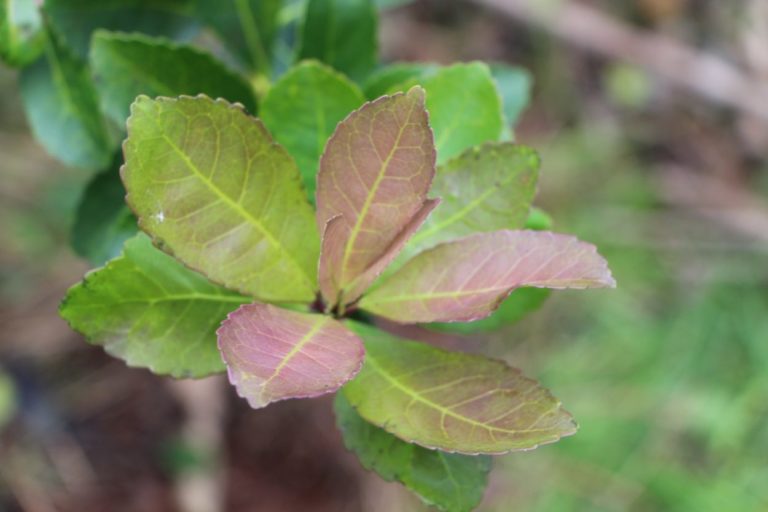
{"x":128,"y":65}
{"x":452,"y":401}
{"x":146,"y":308}
{"x":224,"y":225}
{"x":302,"y":110}
{"x":275,"y":354}
{"x":449,"y":481}
{"x":466,"y":279}
{"x":375,"y":185}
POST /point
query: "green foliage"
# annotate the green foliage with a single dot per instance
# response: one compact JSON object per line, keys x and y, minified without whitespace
{"x":103,"y":221}
{"x":303,"y":108}
{"x":63,"y":110}
{"x":449,"y":481}
{"x":248,"y":28}
{"x":128,"y":65}
{"x":7,"y":399}
{"x":342,"y":34}
{"x":22,"y":38}
{"x":149,"y":310}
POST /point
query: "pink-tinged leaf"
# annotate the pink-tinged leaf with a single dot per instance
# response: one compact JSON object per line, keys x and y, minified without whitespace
{"x":337,"y":230}
{"x":274,"y":354}
{"x":466,"y":279}
{"x":374,"y":176}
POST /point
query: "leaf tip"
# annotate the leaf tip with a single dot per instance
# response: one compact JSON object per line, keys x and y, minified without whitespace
{"x":417,"y":93}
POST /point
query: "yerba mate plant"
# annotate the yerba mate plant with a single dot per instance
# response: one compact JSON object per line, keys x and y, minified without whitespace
{"x":276,"y":247}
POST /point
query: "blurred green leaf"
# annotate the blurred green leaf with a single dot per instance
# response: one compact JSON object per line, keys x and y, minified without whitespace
{"x":389,"y":4}
{"x":76,"y":20}
{"x":302,"y":110}
{"x":247,"y":27}
{"x":384,"y":80}
{"x":63,"y":110}
{"x":22,"y":36}
{"x":342,"y":34}
{"x":7,"y":399}
{"x":514,"y":85}
{"x":103,"y":221}
{"x":151,"y":311}
{"x":127,"y":65}
{"x":449,"y":481}
{"x":538,"y":219}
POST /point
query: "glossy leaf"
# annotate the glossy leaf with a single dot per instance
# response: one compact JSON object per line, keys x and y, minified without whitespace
{"x":374,"y":176}
{"x":76,"y":20}
{"x":464,"y":108}
{"x":449,"y":481}
{"x":103,"y":221}
{"x":302,"y":110}
{"x":212,"y":188}
{"x":22,"y":36}
{"x":149,"y":310}
{"x":452,"y":401}
{"x":387,"y":79}
{"x":467,"y":279}
{"x":247,"y":27}
{"x":336,"y":230}
{"x":62,"y":108}
{"x":487,"y":188}
{"x":342,"y":34}
{"x":128,"y":65}
{"x":274,"y":354}
{"x":514,"y":85}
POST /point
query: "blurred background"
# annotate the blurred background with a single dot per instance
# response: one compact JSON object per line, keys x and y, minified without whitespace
{"x":651,"y":117}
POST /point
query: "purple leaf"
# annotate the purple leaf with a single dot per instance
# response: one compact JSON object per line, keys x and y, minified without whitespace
{"x":274,"y":354}
{"x":373,"y":180}
{"x":466,"y":279}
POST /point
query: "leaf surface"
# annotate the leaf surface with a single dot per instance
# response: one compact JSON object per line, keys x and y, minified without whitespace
{"x":341,"y":33}
{"x":103,"y":221}
{"x":22,"y":36}
{"x":274,"y":354}
{"x":212,"y":188}
{"x":486,"y":188}
{"x":302,"y":110}
{"x":452,"y":401}
{"x":76,"y":20}
{"x":465,"y":280}
{"x":128,"y":65}
{"x":247,"y":27}
{"x":386,"y":80}
{"x":514,"y":85}
{"x":62,"y":108}
{"x":449,"y":481}
{"x":148,"y":309}
{"x":374,"y":175}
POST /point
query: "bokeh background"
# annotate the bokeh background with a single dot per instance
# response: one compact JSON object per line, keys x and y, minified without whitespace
{"x":651,"y":117}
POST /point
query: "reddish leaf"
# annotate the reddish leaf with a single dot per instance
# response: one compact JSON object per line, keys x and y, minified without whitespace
{"x":466,"y":279}
{"x":337,"y":229}
{"x":274,"y":354}
{"x":374,"y":176}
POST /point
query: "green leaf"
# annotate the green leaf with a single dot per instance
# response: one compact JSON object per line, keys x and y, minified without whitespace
{"x":22,"y":36}
{"x":390,"y":4}
{"x":374,"y":176}
{"x":76,"y":20}
{"x":212,"y":188}
{"x":486,"y":188}
{"x":247,"y":27}
{"x":103,"y":221}
{"x":302,"y":110}
{"x":7,"y":399}
{"x":514,"y":84}
{"x":149,"y":310}
{"x":63,"y":110}
{"x":539,"y":220}
{"x":341,"y":33}
{"x":449,"y":481}
{"x":387,"y":79}
{"x":452,"y":401}
{"x":464,"y":107}
{"x":128,"y":65}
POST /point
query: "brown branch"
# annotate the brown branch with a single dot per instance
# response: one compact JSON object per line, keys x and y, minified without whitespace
{"x":706,"y":75}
